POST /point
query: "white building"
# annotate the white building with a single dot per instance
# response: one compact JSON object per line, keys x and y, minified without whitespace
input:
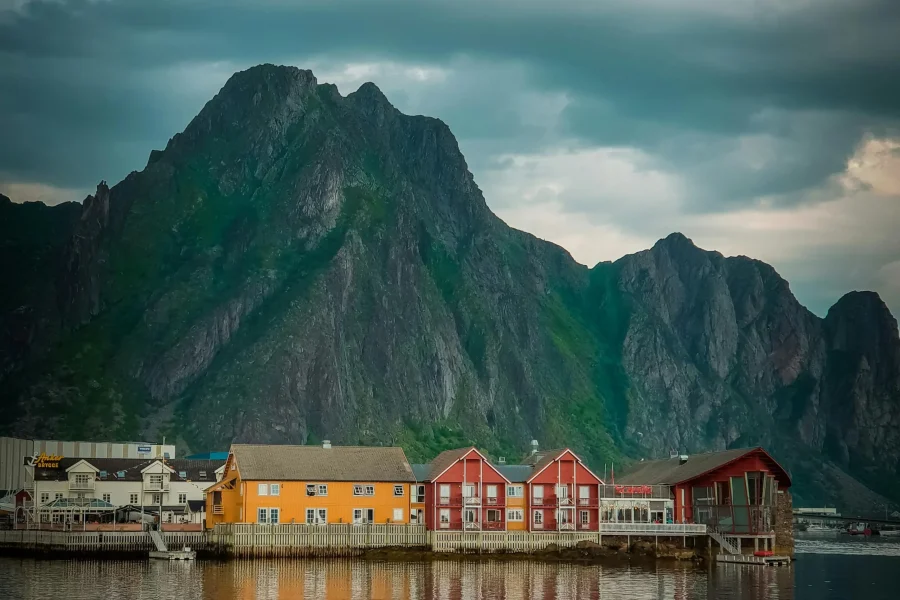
{"x":179,"y":486}
{"x":15,"y":451}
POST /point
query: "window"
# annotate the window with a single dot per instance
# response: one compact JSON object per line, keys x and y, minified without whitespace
{"x":133,"y":499}
{"x":470,"y":516}
{"x":398,"y":515}
{"x":537,"y":493}
{"x":469,"y":491}
{"x":316,"y":516}
{"x":538,"y":517}
{"x":202,"y":474}
{"x":363,"y":515}
{"x":515,"y":491}
{"x":514,"y":515}
{"x":262,"y":489}
{"x":323,"y":490}
{"x":182,"y":474}
{"x":564,"y":516}
{"x":157,"y":498}
{"x":584,"y":492}
{"x":82,"y":480}
{"x":102,"y":474}
{"x":445,"y":493}
{"x":273,"y":516}
{"x":45,"y":497}
{"x":120,"y":474}
{"x":562,"y":491}
{"x":182,"y":498}
{"x":275,"y":489}
{"x":494,"y":516}
{"x":398,"y":490}
{"x":106,"y":498}
{"x":57,"y":496}
{"x":363,"y":490}
{"x":419,"y":494}
{"x":445,"y":515}
{"x":262,"y":515}
{"x":585,"y":517}
{"x":311,"y":489}
{"x":492,"y":491}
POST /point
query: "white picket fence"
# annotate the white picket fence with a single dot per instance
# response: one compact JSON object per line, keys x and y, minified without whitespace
{"x":97,"y":541}
{"x":299,"y":539}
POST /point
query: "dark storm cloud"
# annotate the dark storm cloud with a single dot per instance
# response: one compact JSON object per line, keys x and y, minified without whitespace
{"x":678,"y":79}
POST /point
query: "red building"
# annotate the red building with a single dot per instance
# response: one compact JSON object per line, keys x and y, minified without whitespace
{"x":464,"y":491}
{"x":563,"y":494}
{"x":734,"y":491}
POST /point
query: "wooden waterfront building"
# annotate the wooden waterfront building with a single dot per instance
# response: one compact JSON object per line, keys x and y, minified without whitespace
{"x":316,"y":485}
{"x":563,"y":494}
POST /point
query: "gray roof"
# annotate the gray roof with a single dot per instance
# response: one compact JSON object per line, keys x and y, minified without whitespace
{"x":421,"y":471}
{"x":516,"y":473}
{"x":315,"y":463}
{"x":670,"y":471}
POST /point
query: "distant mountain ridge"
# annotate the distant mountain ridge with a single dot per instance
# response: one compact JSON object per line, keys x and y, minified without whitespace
{"x":298,"y":265}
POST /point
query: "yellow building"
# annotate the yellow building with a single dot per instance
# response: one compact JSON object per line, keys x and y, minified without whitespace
{"x":312,"y":484}
{"x":516,"y":502}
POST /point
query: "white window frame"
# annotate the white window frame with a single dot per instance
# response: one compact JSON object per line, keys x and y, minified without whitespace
{"x":321,"y":489}
{"x":363,"y":489}
{"x":262,"y":489}
{"x":310,"y":489}
{"x":491,"y":491}
{"x":584,"y":492}
{"x":182,"y":498}
{"x":444,"y":490}
{"x":133,"y":498}
{"x":469,"y":490}
{"x":467,"y":512}
{"x":584,"y":517}
{"x":45,"y":497}
{"x":515,"y":491}
{"x":398,"y":515}
{"x":318,"y":514}
{"x":499,"y":515}
{"x":274,"y":489}
{"x":107,"y":497}
{"x":444,"y":515}
{"x":538,"y":517}
{"x":274,"y":516}
{"x":262,"y":516}
{"x":398,"y":491}
{"x":515,"y":515}
{"x":57,"y":496}
{"x":562,"y":491}
{"x":157,"y":498}
{"x":537,"y":493}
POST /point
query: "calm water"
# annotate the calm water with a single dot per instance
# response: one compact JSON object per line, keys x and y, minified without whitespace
{"x":825,"y":568}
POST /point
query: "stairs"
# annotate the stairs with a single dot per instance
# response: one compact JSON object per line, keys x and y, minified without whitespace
{"x":728,"y":543}
{"x":158,"y":541}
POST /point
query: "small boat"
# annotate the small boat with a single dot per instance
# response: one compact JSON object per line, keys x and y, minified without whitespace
{"x":820,"y":529}
{"x":890,"y":532}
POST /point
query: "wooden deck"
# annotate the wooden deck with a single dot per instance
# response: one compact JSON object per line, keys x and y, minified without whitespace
{"x":749,"y":559}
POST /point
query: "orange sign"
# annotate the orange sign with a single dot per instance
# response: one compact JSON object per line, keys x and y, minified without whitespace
{"x":47,"y":461}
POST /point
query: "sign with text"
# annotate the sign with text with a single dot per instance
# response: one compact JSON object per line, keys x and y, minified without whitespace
{"x":634,"y":490}
{"x":144,"y":449}
{"x":46,"y":461}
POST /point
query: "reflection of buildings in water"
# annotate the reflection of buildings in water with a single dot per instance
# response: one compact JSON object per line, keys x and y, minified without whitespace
{"x":751,"y":582}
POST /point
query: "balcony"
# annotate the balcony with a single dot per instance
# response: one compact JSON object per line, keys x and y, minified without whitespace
{"x":566,"y":501}
{"x":587,"y":502}
{"x":492,"y":526}
{"x":472,"y":526}
{"x":735,"y":519}
{"x":537,"y":526}
{"x":584,"y":526}
{"x":156,"y":486}
{"x":473,"y":500}
{"x":493,"y":501}
{"x":82,"y":485}
{"x":567,"y":526}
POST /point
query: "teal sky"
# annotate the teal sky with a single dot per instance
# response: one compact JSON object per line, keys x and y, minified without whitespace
{"x":769,"y":128}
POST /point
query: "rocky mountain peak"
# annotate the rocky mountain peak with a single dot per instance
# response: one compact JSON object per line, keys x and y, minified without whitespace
{"x":861,"y":322}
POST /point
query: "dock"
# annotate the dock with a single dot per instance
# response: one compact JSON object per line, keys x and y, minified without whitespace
{"x":750,"y":559}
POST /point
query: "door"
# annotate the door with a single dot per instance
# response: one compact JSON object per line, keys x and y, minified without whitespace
{"x":739,"y":505}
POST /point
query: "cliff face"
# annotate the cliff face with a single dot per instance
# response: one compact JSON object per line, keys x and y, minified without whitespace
{"x":298,"y":265}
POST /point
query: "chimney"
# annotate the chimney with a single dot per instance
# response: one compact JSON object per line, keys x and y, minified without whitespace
{"x":534,"y":447}
{"x":682,"y":459}
{"x":326,"y":444}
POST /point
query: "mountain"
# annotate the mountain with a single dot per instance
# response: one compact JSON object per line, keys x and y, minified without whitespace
{"x":297,"y":265}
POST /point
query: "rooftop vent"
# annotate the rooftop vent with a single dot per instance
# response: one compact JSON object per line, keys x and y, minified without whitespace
{"x":326,"y":444}
{"x":682,"y":459}
{"x":673,"y":453}
{"x":501,"y":460}
{"x":102,"y":474}
{"x":534,"y":446}
{"x":202,"y":474}
{"x":182,"y":474}
{"x":120,"y":474}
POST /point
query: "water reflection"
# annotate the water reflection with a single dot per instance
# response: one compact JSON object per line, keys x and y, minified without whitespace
{"x":357,"y":579}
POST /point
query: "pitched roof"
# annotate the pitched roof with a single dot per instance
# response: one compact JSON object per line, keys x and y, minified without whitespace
{"x":315,"y":463}
{"x":446,"y":458}
{"x":671,"y":471}
{"x":516,"y":473}
{"x":542,"y":458}
{"x":131,"y":469}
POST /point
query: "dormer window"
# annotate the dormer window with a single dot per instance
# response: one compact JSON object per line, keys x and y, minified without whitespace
{"x":182,"y":474}
{"x":202,"y":474}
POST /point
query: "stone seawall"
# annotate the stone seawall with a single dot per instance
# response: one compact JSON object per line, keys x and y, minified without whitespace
{"x":784,"y":524}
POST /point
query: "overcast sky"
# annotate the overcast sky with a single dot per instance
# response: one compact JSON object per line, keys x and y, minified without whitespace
{"x":769,"y":128}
